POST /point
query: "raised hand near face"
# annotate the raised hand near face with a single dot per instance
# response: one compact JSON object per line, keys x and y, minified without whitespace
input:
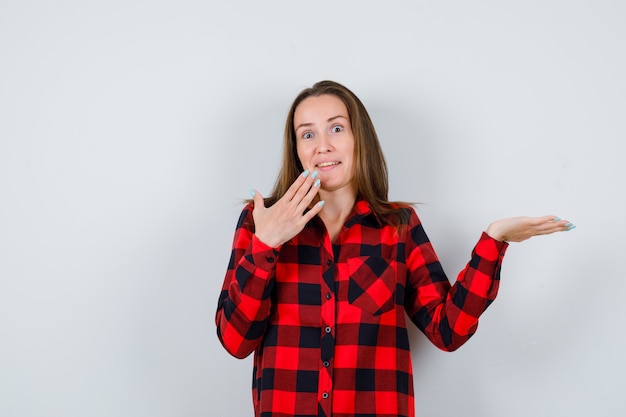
{"x":518,"y":229}
{"x":286,"y":218}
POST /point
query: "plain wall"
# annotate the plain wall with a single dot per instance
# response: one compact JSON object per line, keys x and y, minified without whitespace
{"x":131,"y":130}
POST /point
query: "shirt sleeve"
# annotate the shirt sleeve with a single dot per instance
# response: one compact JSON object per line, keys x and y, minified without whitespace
{"x":448,"y":314}
{"x":244,"y":303}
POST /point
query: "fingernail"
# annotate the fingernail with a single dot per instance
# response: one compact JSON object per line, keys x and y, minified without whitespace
{"x":570,"y":227}
{"x":305,"y":173}
{"x":568,"y":224}
{"x":251,"y":193}
{"x":314,"y":174}
{"x":321,"y":203}
{"x":556,"y":219}
{"x":316,"y":183}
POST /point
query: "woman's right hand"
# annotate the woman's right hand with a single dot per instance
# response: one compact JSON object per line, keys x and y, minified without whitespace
{"x":518,"y":229}
{"x":286,"y":218}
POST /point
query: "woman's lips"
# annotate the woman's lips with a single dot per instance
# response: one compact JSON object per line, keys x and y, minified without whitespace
{"x":327,"y":165}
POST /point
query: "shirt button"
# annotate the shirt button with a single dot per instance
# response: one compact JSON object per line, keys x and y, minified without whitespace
{"x":270,"y":259}
{"x":326,"y":364}
{"x":325,"y":395}
{"x":329,"y":262}
{"x":328,"y":329}
{"x":329,"y":296}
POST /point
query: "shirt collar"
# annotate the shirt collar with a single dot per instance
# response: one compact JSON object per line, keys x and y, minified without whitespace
{"x":363,"y":209}
{"x":360,"y":210}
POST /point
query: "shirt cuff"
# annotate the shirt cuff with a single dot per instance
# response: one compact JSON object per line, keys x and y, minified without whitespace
{"x":490,"y":249}
{"x":263,"y":256}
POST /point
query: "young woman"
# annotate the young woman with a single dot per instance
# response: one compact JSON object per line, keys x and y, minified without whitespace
{"x":322,"y":273}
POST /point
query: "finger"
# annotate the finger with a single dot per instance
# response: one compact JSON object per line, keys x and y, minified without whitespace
{"x":313,"y":212}
{"x":560,"y":224}
{"x":259,"y":202}
{"x":305,"y":188}
{"x":543,"y":220}
{"x":309,"y":196}
{"x":297,"y":184}
{"x":554,"y":226}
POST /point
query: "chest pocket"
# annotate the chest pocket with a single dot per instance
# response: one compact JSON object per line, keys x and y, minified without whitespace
{"x":372,"y":284}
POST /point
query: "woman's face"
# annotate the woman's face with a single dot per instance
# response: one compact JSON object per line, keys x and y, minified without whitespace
{"x":324,"y":141}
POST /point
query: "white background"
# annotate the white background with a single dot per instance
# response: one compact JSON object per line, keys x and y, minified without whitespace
{"x":131,"y":130}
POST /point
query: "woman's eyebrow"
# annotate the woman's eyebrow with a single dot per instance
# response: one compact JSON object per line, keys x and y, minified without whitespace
{"x":303,"y":125}
{"x":339,"y":116}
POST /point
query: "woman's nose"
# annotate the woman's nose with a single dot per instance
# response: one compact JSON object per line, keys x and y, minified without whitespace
{"x":324,"y":144}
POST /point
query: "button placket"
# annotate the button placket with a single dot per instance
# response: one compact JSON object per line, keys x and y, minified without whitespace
{"x":327,"y":327}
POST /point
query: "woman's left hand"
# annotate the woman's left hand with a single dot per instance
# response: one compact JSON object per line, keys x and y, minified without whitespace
{"x":518,"y":229}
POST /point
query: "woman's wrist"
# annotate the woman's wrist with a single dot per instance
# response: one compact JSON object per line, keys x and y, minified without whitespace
{"x":495,"y":232}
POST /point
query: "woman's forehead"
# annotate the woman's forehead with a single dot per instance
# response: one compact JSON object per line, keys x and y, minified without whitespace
{"x":319,"y":109}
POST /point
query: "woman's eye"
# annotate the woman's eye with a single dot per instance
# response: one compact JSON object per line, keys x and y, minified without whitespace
{"x":336,"y":129}
{"x":307,"y":135}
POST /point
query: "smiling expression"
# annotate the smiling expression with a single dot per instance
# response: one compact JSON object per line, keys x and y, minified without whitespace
{"x":324,"y":141}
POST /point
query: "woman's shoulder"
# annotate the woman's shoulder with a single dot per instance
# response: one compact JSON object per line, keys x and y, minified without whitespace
{"x":404,"y":206}
{"x":400,"y":213}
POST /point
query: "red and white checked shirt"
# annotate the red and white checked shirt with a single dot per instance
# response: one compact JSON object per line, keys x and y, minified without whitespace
{"x":326,"y":320}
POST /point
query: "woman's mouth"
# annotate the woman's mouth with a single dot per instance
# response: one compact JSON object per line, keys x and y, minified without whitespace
{"x":327,"y":164}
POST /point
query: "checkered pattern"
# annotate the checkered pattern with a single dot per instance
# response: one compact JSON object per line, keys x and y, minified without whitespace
{"x":326,"y":321}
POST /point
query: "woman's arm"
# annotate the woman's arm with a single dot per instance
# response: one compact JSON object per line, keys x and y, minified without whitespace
{"x":245,"y":300}
{"x":448,"y":314}
{"x":244,"y":304}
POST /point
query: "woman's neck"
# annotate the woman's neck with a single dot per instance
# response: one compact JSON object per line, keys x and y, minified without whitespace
{"x":337,"y":208}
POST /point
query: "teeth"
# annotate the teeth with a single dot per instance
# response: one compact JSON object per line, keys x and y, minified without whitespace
{"x":327,"y":164}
